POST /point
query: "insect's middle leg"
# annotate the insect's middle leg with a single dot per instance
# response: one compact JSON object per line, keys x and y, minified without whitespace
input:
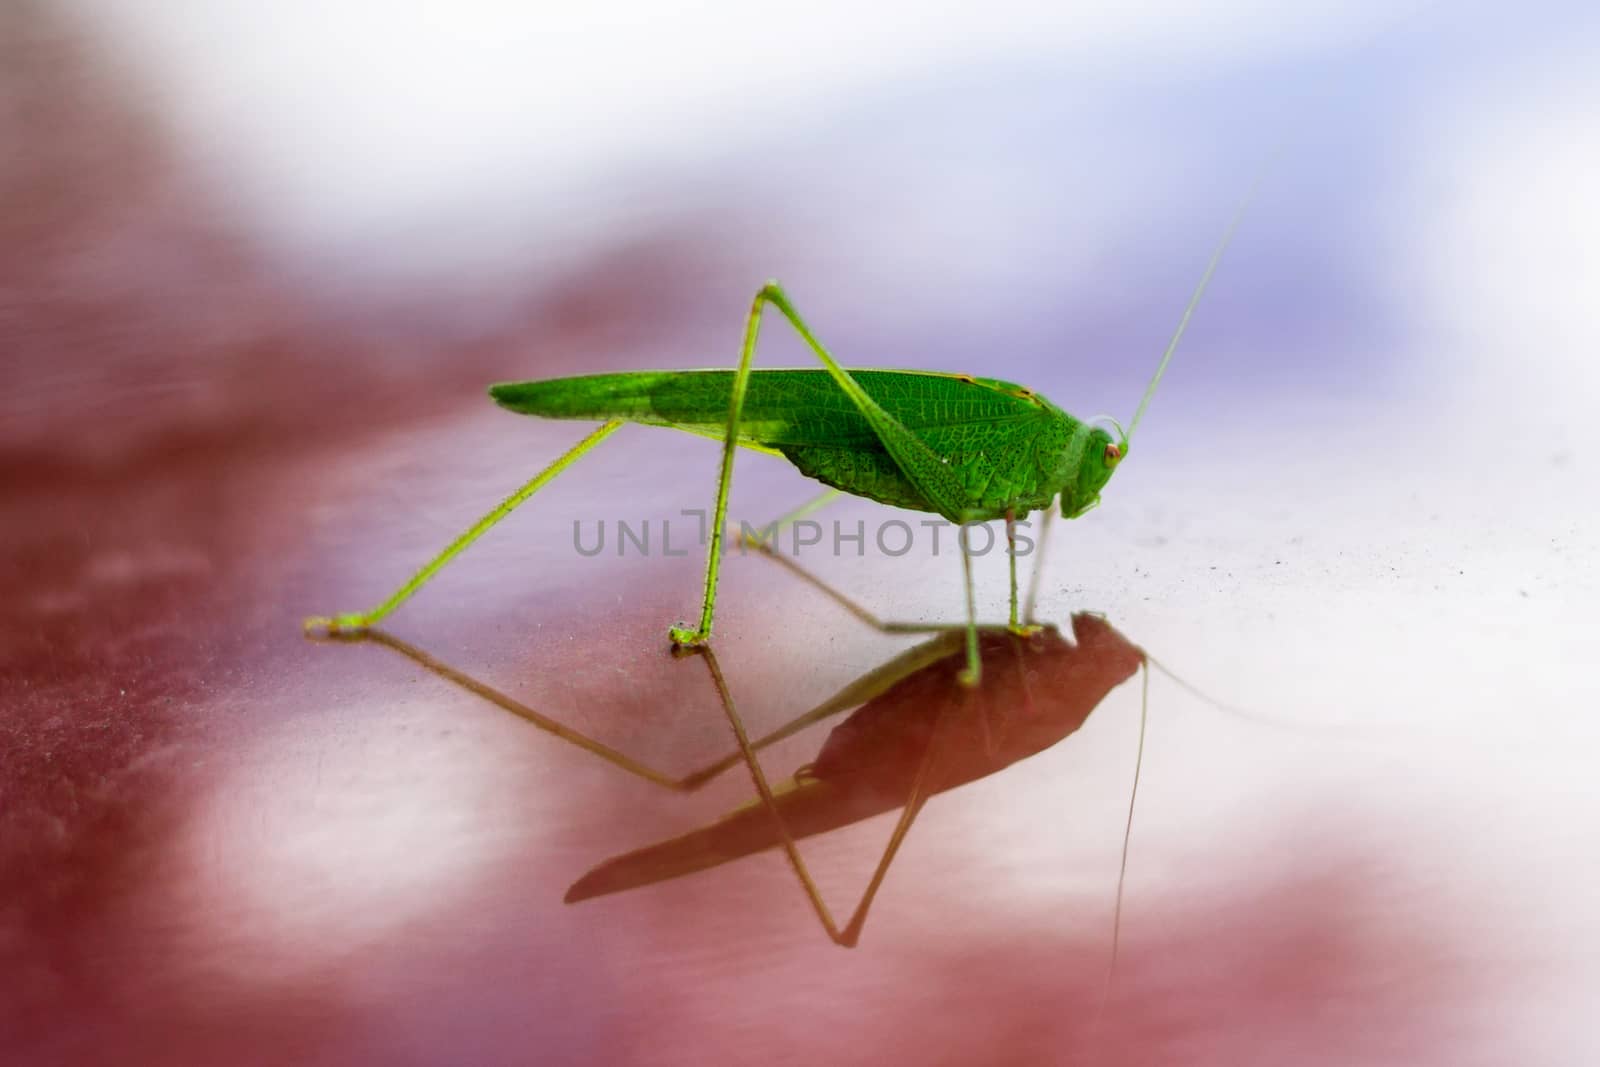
{"x":1027,"y":626}
{"x":973,"y":672}
{"x":684,"y":636}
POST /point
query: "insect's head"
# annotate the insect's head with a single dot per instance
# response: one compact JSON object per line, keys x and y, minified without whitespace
{"x":1093,"y":459}
{"x":1115,"y":448}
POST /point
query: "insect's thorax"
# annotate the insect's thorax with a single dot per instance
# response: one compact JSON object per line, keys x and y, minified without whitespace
{"x":1017,"y":471}
{"x":1015,"y":468}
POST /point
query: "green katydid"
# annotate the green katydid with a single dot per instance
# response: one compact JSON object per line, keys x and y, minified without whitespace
{"x":966,"y":448}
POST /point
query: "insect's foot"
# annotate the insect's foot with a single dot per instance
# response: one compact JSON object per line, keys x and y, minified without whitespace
{"x":970,"y":677}
{"x":323,"y":627}
{"x":683,"y":637}
{"x":1026,"y":629}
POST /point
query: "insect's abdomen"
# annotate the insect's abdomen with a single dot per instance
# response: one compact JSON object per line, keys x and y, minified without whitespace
{"x":998,"y":474}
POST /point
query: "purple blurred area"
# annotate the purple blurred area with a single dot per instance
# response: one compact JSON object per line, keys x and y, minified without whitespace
{"x":219,"y":841}
{"x":142,"y":307}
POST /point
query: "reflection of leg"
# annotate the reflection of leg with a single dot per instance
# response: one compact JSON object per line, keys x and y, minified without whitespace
{"x":918,"y":795}
{"x":765,"y":548}
{"x":519,"y":709}
{"x":354,"y":621}
{"x":743,"y":539}
{"x":914,"y":801}
{"x":853,"y":695}
{"x":867,"y":687}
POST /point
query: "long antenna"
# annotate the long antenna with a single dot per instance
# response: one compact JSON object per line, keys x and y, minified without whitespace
{"x":1199,"y":291}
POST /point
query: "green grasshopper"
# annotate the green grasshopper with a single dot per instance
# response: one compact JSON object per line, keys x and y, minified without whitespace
{"x":966,"y":448}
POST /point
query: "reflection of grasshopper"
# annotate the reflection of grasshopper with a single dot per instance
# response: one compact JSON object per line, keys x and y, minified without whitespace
{"x":916,"y":731}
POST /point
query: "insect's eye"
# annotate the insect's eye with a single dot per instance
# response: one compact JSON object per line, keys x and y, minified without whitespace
{"x":1113,"y":453}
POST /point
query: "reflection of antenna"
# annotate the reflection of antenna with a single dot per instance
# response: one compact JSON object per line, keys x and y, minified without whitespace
{"x":1127,"y":836}
{"x":1253,"y":717}
{"x":1199,"y":291}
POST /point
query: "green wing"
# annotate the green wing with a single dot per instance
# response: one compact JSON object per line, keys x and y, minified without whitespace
{"x":781,"y":407}
{"x":987,"y":428}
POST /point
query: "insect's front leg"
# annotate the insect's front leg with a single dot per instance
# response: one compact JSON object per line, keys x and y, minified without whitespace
{"x":1031,"y":605}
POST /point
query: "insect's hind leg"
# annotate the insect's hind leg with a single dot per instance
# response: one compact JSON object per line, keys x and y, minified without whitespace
{"x":361,"y":620}
{"x":927,"y":471}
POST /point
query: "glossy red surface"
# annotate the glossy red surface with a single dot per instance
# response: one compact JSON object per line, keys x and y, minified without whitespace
{"x":221,"y":841}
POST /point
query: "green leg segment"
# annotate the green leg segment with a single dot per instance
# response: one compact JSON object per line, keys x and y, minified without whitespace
{"x":922,"y":467}
{"x":1031,"y":605}
{"x":361,"y":620}
{"x":1011,"y":559}
{"x":974,"y":669}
